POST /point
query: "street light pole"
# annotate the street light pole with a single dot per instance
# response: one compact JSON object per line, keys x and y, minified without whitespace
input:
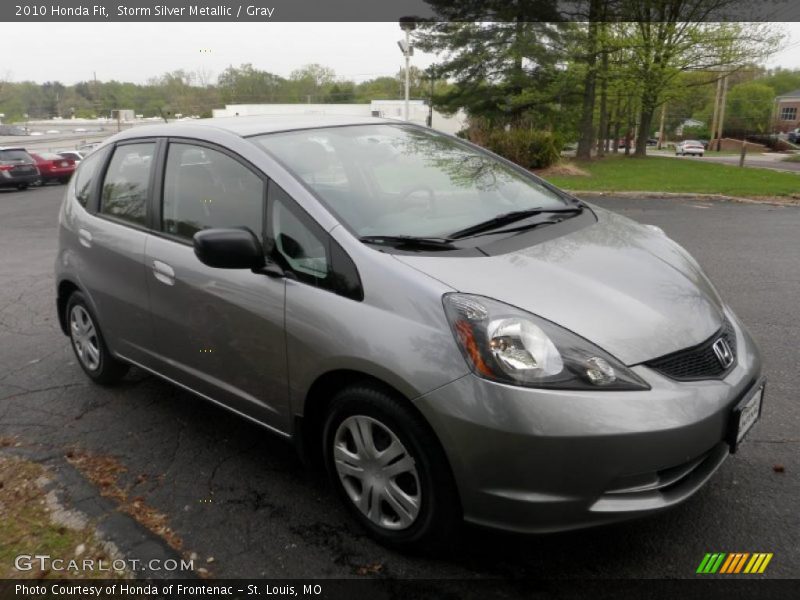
{"x":408,"y":75}
{"x":408,"y":25}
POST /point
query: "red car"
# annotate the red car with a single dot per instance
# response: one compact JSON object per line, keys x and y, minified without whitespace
{"x":53,"y":167}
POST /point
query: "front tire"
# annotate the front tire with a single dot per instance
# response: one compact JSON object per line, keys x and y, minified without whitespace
{"x":389,"y":469}
{"x":22,"y":186}
{"x":89,"y":345}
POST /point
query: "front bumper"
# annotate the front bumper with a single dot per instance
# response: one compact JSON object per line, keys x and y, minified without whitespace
{"x":534,"y":460}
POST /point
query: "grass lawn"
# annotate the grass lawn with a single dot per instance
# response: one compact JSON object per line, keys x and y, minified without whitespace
{"x":658,"y":174}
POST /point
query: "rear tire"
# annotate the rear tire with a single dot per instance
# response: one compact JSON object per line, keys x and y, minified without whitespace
{"x":22,"y":187}
{"x":389,"y":469}
{"x":89,"y":345}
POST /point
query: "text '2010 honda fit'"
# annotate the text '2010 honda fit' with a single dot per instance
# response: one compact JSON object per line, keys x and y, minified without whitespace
{"x":452,"y":336}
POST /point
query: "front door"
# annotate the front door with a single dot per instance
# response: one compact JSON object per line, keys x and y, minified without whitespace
{"x":219,"y":332}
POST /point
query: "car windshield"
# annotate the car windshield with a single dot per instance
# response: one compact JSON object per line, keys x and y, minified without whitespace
{"x":399,"y":180}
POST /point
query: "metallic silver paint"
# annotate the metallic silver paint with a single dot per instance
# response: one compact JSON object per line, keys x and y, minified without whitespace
{"x":523,"y":459}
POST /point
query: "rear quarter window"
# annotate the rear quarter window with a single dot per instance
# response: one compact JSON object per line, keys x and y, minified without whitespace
{"x":85,"y":177}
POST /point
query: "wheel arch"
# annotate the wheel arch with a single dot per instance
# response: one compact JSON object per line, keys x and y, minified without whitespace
{"x":308,"y":426}
{"x":66,"y":287}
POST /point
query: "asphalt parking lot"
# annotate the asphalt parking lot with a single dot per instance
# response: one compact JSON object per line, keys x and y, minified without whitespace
{"x":234,"y":493}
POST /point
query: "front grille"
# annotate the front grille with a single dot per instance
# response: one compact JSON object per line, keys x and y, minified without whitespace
{"x":698,"y":362}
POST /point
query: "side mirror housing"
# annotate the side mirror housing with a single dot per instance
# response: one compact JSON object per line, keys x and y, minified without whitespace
{"x":229,"y":248}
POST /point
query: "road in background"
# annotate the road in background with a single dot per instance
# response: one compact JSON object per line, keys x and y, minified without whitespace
{"x":762,"y":160}
{"x":233,"y":492}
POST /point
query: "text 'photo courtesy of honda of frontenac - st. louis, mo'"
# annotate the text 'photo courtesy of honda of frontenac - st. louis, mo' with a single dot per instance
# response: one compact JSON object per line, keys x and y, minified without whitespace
{"x":454,"y":338}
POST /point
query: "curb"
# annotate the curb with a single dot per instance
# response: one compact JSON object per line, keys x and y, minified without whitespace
{"x":789,"y":201}
{"x":129,"y":537}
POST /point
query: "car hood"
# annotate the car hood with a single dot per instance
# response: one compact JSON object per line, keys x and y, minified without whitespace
{"x":624,"y":286}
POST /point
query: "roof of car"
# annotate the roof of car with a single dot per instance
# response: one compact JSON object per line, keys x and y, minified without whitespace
{"x":255,"y":125}
{"x":13,"y":148}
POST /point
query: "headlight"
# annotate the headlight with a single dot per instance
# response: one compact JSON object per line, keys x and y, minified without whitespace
{"x":506,"y":344}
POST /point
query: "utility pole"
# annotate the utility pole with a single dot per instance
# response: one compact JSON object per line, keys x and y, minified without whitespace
{"x":722,"y":112}
{"x":713,"y":131}
{"x":744,"y":149}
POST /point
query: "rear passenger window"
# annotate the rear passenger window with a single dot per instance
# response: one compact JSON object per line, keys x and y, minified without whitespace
{"x":85,"y":177}
{"x":204,"y":188}
{"x":126,"y":183}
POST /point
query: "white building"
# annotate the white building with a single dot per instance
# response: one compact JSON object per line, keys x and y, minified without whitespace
{"x":388,"y":109}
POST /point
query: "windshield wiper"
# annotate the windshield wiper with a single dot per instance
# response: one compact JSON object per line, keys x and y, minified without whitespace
{"x":510,"y":217}
{"x":409,"y":241}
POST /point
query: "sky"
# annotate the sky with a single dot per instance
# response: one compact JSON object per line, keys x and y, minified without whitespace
{"x":71,"y":52}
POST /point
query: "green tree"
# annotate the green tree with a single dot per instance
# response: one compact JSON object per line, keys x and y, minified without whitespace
{"x":503,"y":70}
{"x":748,"y":108}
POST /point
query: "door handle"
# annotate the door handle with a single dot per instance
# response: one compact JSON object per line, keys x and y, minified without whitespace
{"x":85,"y":237}
{"x":163,"y":272}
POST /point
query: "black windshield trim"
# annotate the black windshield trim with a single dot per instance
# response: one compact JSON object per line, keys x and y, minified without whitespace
{"x":508,"y":218}
{"x":409,"y":241}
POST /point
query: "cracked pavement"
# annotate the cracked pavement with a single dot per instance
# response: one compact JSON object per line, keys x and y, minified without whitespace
{"x":234,"y":492}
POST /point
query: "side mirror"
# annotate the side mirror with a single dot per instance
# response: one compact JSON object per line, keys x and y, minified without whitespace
{"x":229,"y":248}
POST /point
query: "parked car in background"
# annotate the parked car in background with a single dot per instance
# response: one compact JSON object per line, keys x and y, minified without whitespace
{"x":73,"y":154}
{"x":87,"y":148}
{"x":794,"y":136}
{"x":451,"y":335}
{"x":692,"y":147}
{"x":17,"y":168}
{"x":53,"y":167}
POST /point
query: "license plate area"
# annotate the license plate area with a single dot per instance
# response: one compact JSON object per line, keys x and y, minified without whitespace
{"x":746,"y":414}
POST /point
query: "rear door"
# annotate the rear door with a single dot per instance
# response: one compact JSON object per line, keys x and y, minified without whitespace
{"x":111,"y":244}
{"x":220,"y":332}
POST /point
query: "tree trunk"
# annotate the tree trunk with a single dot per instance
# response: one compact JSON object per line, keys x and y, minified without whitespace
{"x":646,"y":113}
{"x":602,"y":129}
{"x":586,"y":139}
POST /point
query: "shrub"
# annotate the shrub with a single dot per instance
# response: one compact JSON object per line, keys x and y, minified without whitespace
{"x":528,"y":148}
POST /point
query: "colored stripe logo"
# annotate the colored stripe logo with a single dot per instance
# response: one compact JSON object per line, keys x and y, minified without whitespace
{"x":733,"y":563}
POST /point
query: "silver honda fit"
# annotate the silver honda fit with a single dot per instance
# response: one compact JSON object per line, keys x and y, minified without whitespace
{"x":452,"y":336}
